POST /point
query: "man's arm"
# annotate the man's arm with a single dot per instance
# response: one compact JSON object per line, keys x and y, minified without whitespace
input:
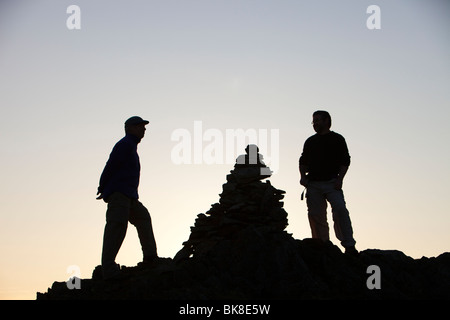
{"x":104,"y":178}
{"x":303,"y":166}
{"x":344,"y":164}
{"x":116,"y":159}
{"x":340,"y":179}
{"x":303,"y":177}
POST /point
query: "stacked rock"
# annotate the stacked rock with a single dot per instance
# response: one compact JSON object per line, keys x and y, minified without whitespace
{"x":245,"y":200}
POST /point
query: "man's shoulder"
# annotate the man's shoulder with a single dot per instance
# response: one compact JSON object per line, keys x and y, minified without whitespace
{"x":312,"y":138}
{"x":336,"y":135}
{"x":121,"y":142}
{"x":124,"y":143}
{"x":317,"y":138}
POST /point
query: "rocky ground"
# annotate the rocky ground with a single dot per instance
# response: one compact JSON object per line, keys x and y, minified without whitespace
{"x":240,"y":250}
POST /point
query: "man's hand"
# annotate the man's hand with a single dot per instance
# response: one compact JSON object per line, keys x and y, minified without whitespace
{"x":338,"y":183}
{"x":304,"y":181}
{"x":340,"y":178}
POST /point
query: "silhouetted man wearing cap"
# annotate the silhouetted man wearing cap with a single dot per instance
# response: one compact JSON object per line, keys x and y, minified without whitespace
{"x":119,"y":188}
{"x":323,"y":165}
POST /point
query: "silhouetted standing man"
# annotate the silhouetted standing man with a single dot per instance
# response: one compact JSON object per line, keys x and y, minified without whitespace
{"x":323,"y":165}
{"x":119,"y":188}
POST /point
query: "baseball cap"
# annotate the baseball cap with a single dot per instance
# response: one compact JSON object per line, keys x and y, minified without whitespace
{"x":135,"y":120}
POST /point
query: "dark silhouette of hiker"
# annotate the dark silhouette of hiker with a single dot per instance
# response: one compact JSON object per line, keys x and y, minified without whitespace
{"x":119,"y":189}
{"x":323,"y":164}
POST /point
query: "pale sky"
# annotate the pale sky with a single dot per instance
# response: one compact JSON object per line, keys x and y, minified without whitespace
{"x":255,"y":65}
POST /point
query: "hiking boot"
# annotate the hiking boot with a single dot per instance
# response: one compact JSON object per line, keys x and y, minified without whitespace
{"x":148,"y":262}
{"x":351,"y":251}
{"x":111,"y":272}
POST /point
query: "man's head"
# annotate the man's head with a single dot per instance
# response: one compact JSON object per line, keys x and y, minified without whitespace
{"x":321,"y":121}
{"x":136,"y":126}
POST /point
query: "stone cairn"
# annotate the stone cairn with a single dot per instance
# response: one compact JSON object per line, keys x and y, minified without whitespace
{"x":245,"y":201}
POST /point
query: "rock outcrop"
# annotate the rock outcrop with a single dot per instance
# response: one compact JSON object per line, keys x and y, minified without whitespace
{"x":239,"y":249}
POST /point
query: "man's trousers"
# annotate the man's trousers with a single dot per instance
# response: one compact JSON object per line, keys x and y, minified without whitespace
{"x":122,"y":210}
{"x":317,"y":195}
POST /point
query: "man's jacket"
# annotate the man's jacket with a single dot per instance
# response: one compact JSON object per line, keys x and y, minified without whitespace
{"x":122,"y":171}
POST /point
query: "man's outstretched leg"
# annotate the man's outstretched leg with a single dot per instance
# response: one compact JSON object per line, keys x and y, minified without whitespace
{"x":341,"y":217}
{"x":140,"y":218}
{"x":115,"y":231}
{"x":112,"y":241}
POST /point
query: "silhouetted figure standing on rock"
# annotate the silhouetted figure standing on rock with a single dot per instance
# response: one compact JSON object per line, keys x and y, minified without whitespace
{"x":119,"y":188}
{"x":323,"y":165}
